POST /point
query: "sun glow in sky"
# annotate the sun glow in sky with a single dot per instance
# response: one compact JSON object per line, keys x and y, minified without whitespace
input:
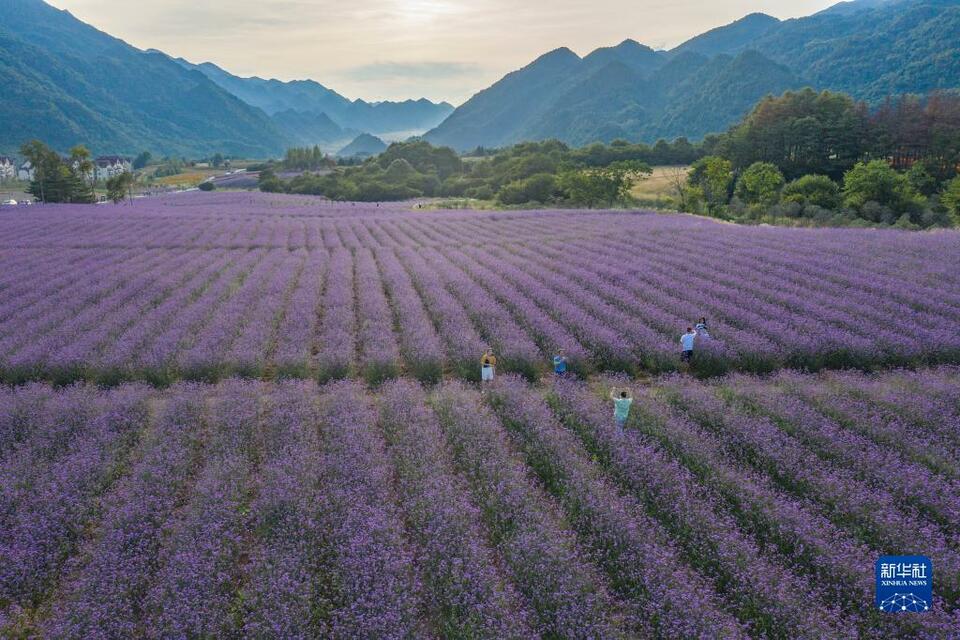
{"x":398,"y":49}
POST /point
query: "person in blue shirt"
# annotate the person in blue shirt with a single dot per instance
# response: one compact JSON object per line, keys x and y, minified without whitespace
{"x":622,"y":401}
{"x":560,"y":363}
{"x":687,"y":341}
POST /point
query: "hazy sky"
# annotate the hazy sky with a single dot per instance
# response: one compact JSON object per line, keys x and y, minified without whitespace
{"x":396,"y":49}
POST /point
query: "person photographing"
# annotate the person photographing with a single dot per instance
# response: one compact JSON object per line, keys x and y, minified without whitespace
{"x":622,"y":401}
{"x":560,"y":363}
{"x":488,"y":366}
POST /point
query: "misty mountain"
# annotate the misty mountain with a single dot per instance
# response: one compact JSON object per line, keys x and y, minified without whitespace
{"x":311,"y":98}
{"x":306,"y":128}
{"x":364,"y":145}
{"x":868,"y":48}
{"x":67,"y":83}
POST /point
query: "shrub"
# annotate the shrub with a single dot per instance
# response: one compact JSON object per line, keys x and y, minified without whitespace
{"x":207,"y":186}
{"x":816,"y":190}
{"x":951,"y":199}
{"x":760,"y":184}
{"x":712,"y":176}
{"x":879,"y":183}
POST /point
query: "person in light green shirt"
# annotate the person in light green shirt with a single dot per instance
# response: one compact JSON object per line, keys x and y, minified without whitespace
{"x":622,"y":401}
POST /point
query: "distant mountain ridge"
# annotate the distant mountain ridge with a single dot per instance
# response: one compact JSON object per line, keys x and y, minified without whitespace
{"x":67,"y":83}
{"x":304,"y":99}
{"x":868,"y":48}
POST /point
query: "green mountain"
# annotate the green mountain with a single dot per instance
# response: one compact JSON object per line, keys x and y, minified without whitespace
{"x":733,"y":38}
{"x":868,"y":48}
{"x":364,"y":145}
{"x":874,"y":49}
{"x":67,"y":83}
{"x":312,"y":99}
{"x":307,"y":128}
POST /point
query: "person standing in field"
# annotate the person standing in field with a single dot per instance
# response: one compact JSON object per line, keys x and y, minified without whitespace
{"x":560,"y":363}
{"x":702,"y":330}
{"x":622,"y":401}
{"x":687,"y":341}
{"x":488,"y":366}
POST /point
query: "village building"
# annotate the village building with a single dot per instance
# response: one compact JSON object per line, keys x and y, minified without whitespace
{"x":106,"y":167}
{"x":25,"y":172}
{"x":8,"y":169}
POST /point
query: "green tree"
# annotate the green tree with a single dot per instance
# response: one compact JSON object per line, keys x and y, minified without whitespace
{"x":591,"y":188}
{"x":44,"y":162}
{"x":142,"y":160}
{"x":877,"y":182}
{"x":119,"y":186}
{"x":815,"y":190}
{"x":760,"y":184}
{"x":541,"y":187}
{"x":801,"y":132}
{"x":951,"y":199}
{"x":82,"y":175}
{"x":56,"y":180}
{"x":601,"y":186}
{"x":921,"y":180}
{"x":711,"y":176}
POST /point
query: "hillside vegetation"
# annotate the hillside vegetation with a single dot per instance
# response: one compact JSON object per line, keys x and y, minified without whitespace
{"x":66,"y":83}
{"x":867,"y":50}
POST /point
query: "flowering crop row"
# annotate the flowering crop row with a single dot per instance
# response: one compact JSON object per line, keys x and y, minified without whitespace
{"x":208,"y":286}
{"x":285,"y":509}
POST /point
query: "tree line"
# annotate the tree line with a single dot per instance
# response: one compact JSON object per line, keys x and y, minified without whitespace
{"x":824,"y":158}
{"x":70,"y":179}
{"x":547,"y":172}
{"x":806,"y":157}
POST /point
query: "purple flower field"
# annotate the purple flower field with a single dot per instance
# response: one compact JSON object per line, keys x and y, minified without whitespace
{"x":254,"y":416}
{"x":743,"y":507}
{"x":209,"y":286}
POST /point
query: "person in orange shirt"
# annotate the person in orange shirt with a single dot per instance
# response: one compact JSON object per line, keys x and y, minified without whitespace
{"x":488,"y":366}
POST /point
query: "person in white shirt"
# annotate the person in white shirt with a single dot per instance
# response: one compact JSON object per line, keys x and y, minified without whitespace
{"x":687,"y":341}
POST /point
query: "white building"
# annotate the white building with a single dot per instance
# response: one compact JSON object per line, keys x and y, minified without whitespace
{"x":25,"y":173}
{"x":107,"y":167}
{"x":8,"y":169}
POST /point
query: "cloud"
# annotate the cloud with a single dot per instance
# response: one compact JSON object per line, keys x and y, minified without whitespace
{"x":379,"y":71}
{"x":397,"y":49}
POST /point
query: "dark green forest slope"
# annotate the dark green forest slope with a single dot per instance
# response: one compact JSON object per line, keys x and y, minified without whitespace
{"x":867,"y":49}
{"x":67,"y":83}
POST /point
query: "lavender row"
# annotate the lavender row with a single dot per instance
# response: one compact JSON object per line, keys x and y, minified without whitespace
{"x":419,"y":343}
{"x":937,"y":498}
{"x":380,"y":353}
{"x":936,"y":447}
{"x":633,"y":549}
{"x":196,"y":586}
{"x":871,"y":512}
{"x":49,"y":483}
{"x":700,"y":521}
{"x":286,"y":593}
{"x":336,"y":348}
{"x":377,"y":588}
{"x":790,"y":526}
{"x":568,"y":596}
{"x":467,"y":593}
{"x":102,"y":596}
